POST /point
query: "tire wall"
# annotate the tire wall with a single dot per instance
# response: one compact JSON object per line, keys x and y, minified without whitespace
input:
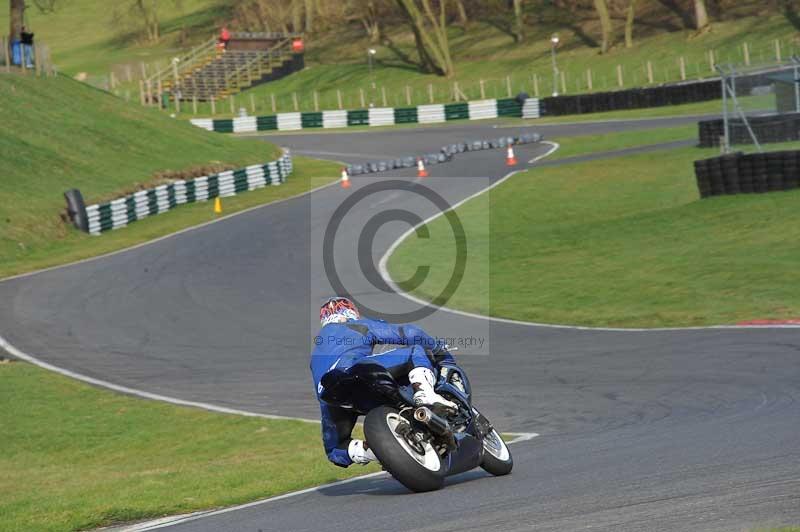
{"x":739,"y":173}
{"x":676,"y":94}
{"x":98,"y":218}
{"x":384,"y":116}
{"x":767,"y":129}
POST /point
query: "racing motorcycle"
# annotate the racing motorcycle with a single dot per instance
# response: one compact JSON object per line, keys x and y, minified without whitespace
{"x":420,"y":446}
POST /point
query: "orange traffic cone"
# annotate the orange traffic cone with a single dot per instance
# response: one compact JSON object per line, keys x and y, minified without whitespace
{"x":345,"y":179}
{"x":511,"y":160}
{"x":217,"y":206}
{"x":421,"y":172}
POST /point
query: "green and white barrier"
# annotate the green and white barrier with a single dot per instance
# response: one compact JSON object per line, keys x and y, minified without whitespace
{"x":376,"y":116}
{"x":122,"y":211}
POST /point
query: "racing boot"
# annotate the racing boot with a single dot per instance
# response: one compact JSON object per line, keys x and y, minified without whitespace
{"x":422,"y":380}
{"x":360,"y":453}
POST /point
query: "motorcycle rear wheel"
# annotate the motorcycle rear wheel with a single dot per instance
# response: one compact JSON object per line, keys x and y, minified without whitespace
{"x":417,"y":471}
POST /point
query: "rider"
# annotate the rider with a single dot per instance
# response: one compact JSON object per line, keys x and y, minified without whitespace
{"x":345,"y":340}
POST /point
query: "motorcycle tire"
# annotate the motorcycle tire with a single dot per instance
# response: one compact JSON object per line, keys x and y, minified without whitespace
{"x":413,"y":470}
{"x":497,"y":459}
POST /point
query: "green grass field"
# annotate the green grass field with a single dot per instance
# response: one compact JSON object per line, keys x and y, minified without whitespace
{"x":76,"y":457}
{"x":59,"y":134}
{"x":619,"y":242}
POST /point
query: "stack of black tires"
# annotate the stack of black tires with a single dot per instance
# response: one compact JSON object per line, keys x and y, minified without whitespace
{"x":766,"y":128}
{"x":739,"y":173}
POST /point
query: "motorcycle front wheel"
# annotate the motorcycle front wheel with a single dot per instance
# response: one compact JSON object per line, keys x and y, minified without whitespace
{"x":497,"y":458}
{"x":416,"y":465}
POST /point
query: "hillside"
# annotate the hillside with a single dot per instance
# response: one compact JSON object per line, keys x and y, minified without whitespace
{"x":87,"y":36}
{"x":58,"y":134}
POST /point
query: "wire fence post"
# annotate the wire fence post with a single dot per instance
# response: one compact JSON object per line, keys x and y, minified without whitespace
{"x":589,"y":79}
{"x":408,"y":95}
{"x":778,"y":50}
{"x":620,"y":81}
{"x":194,"y":104}
{"x":649,"y":72}
{"x":363,"y":99}
{"x":682,"y":63}
{"x":725,"y":138}
{"x":37,"y":59}
{"x":508,"y":86}
{"x":338,"y":99}
{"x":536,"y":85}
{"x":383,"y":96}
{"x":274,"y":104}
{"x":141,"y":93}
{"x":796,"y":84}
{"x":253,"y":103}
{"x":746,"y":50}
{"x":563,"y":82}
{"x":213,"y":106}
{"x":483,"y":90}
{"x":5,"y":43}
{"x":430,"y":92}
{"x":296,"y":103}
{"x":316,"y":102}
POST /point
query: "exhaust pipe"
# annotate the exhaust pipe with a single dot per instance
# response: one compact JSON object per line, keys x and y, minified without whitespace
{"x":436,"y":423}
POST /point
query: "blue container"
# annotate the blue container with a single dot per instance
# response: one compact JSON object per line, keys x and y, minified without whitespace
{"x":16,"y":53}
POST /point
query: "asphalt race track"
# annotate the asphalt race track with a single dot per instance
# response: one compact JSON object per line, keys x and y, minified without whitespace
{"x":639,"y":430}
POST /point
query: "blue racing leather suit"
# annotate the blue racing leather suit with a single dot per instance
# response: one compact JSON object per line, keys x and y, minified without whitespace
{"x":341,"y":346}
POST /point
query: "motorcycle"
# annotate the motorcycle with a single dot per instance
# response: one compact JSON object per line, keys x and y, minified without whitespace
{"x":420,"y":446}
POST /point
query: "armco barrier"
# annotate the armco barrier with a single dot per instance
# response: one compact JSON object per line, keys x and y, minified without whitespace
{"x":120,"y":212}
{"x":767,"y":128}
{"x":739,"y":173}
{"x":382,"y":116}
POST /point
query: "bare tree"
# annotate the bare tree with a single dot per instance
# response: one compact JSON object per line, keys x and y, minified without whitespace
{"x":630,"y":17}
{"x":46,"y":6}
{"x":517,"y":27}
{"x":430,"y":35}
{"x":701,"y":15}
{"x":605,"y":23}
{"x":463,"y":19}
{"x":17,"y":19}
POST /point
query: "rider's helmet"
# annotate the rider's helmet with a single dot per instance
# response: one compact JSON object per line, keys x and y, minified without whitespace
{"x":337,"y":309}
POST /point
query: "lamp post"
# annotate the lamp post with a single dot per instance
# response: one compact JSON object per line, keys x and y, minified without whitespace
{"x":554,"y":41}
{"x":371,"y":52}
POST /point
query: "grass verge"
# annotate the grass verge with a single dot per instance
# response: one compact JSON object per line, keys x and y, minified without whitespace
{"x":76,"y":457}
{"x":59,"y":134}
{"x":74,"y":245}
{"x":586,"y":144}
{"x":620,"y":242}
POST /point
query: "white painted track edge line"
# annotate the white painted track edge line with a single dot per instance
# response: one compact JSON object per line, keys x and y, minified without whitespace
{"x":186,"y":518}
{"x":384,"y":273}
{"x":7,"y":346}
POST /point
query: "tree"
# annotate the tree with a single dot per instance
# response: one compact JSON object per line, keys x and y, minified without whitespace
{"x":17,"y":19}
{"x":517,"y":27}
{"x":463,"y":19}
{"x":700,"y":15}
{"x":629,"y":20}
{"x":430,"y":35}
{"x":605,"y":23}
{"x":145,"y":11}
